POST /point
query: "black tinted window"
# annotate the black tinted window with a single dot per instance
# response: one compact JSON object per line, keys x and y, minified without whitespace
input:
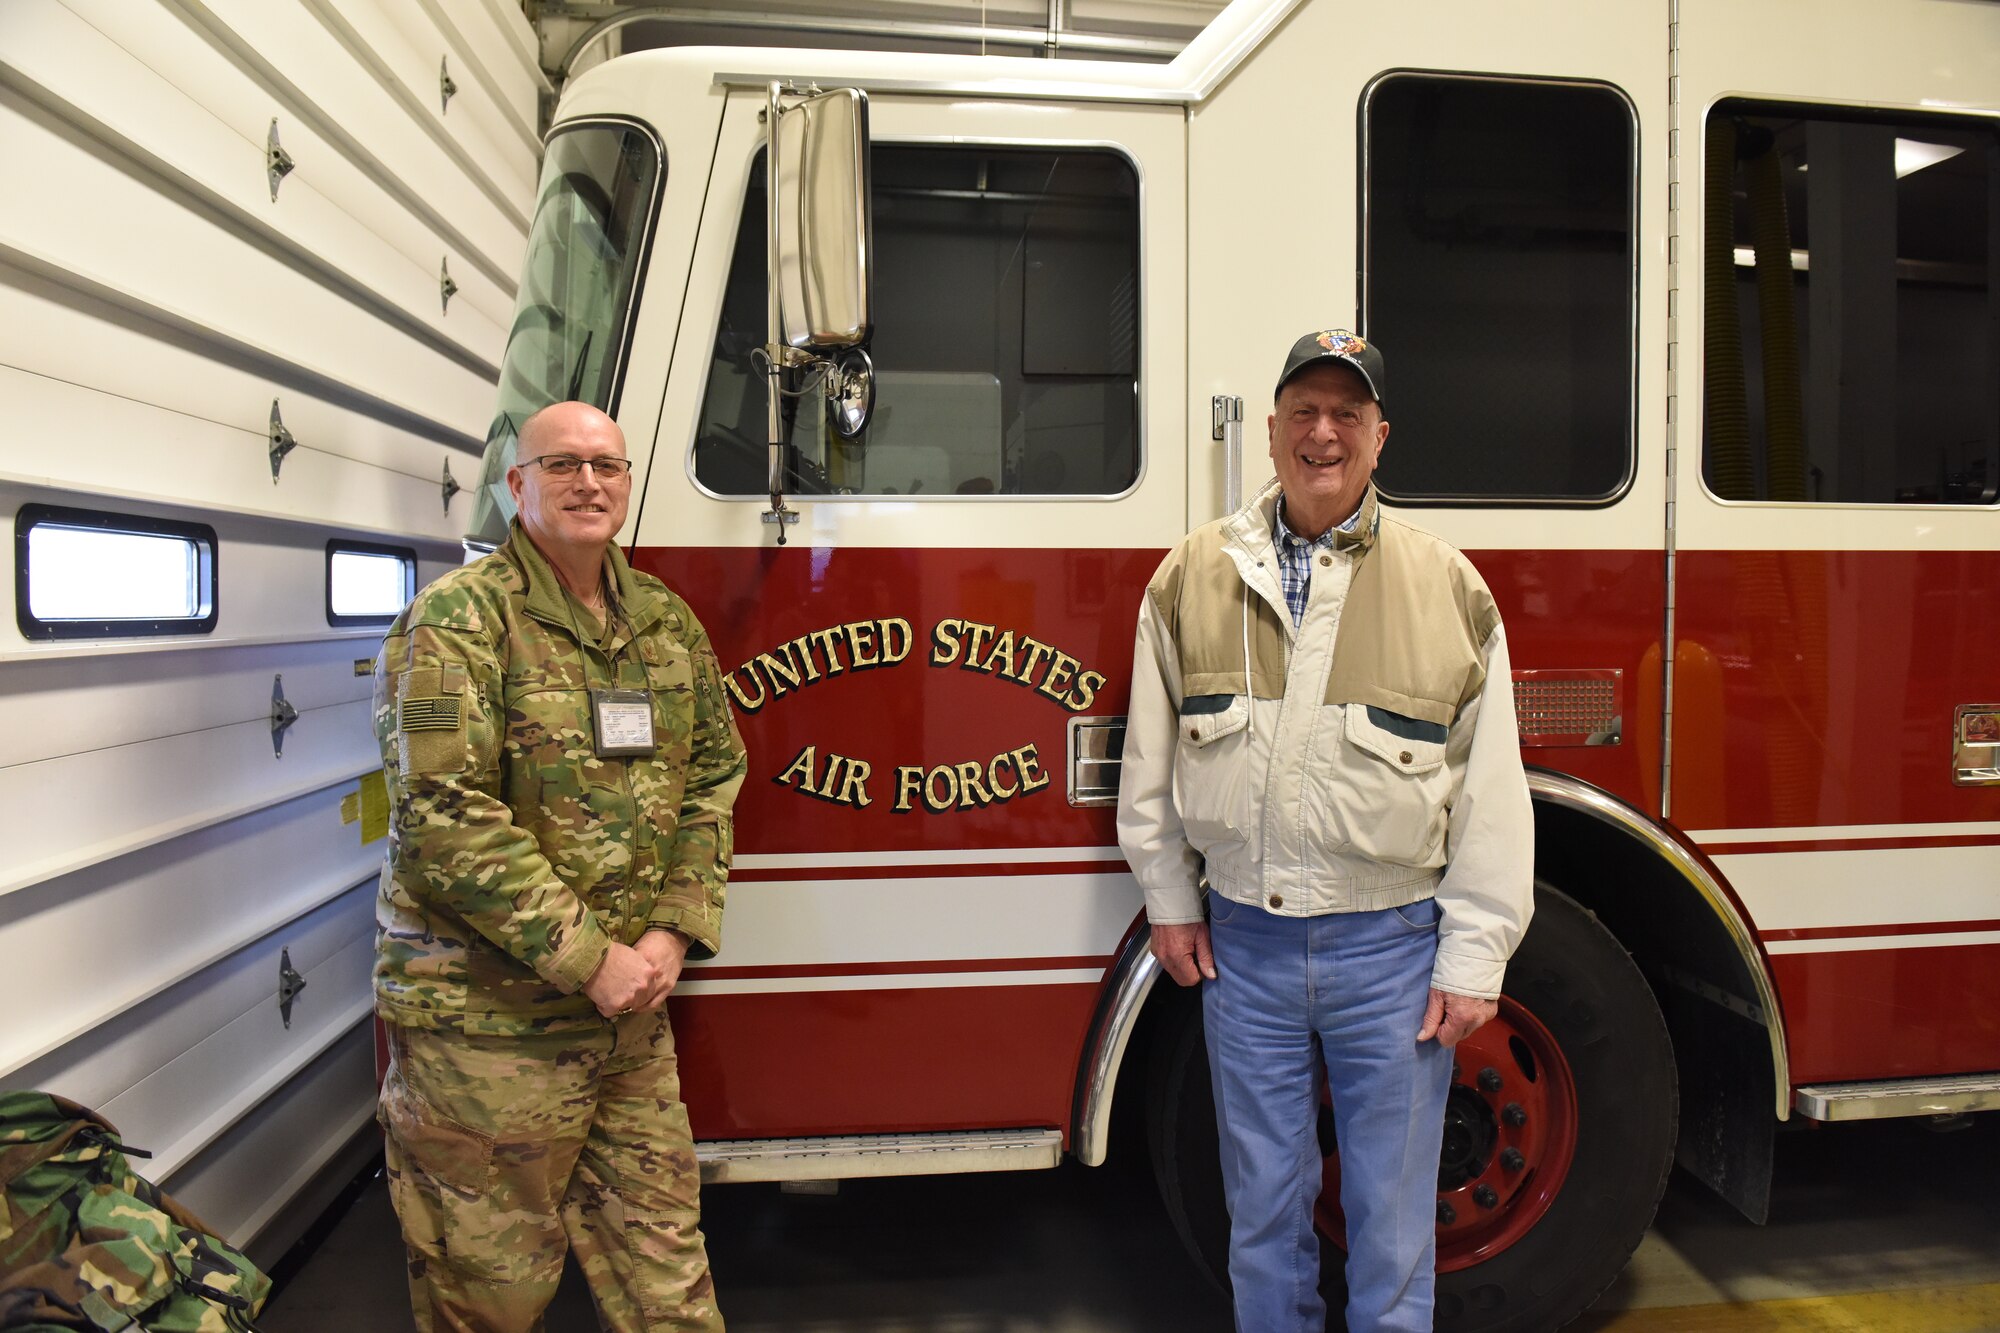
{"x":1006,"y":343}
{"x":1848,"y":321}
{"x":1498,"y":278}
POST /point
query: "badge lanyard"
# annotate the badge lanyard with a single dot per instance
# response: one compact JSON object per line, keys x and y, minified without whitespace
{"x":622,"y":720}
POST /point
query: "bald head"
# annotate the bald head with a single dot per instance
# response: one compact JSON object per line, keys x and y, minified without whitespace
{"x":569,"y":518}
{"x":562,"y":418}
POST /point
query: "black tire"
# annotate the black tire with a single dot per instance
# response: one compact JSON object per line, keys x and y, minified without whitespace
{"x":1572,"y":977}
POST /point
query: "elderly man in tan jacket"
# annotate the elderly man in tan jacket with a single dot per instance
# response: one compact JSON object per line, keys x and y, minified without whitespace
{"x":1322,"y":734}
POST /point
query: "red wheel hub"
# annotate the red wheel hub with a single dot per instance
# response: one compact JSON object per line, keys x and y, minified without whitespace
{"x":1509,"y":1137}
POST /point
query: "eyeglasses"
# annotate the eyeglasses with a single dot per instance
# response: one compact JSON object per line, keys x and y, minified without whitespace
{"x":564,"y":466}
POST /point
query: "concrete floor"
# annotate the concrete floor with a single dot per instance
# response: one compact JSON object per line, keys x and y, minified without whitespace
{"x":1884,"y":1227}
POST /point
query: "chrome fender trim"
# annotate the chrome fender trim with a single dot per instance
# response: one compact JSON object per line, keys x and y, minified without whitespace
{"x":1571,"y":794}
{"x":1131,"y":982}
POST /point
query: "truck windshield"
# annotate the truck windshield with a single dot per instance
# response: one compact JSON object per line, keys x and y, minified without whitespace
{"x":592,"y":214}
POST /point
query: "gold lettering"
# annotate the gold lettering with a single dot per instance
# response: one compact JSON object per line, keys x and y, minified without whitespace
{"x":805,"y":656}
{"x":979,"y":634}
{"x":909,"y":781}
{"x":1028,"y":763}
{"x":993,"y":771}
{"x":828,"y":640}
{"x":1086,"y":691}
{"x":1037,"y":650}
{"x":892,"y":650}
{"x":854,"y":786}
{"x":802,"y":767}
{"x":945,"y":646}
{"x":783,"y":673}
{"x":743,"y":701}
{"x":1003,"y":648}
{"x":861,"y":644}
{"x":969,"y":786}
{"x":938,"y":805}
{"x":1061,"y":667}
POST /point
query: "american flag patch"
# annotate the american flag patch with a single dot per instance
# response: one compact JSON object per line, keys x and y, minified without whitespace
{"x":438,"y":713}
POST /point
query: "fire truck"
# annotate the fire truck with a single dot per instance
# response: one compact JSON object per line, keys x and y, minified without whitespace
{"x":1692,"y":324}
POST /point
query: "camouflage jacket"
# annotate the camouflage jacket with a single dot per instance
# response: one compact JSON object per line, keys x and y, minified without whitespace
{"x":516,"y":853}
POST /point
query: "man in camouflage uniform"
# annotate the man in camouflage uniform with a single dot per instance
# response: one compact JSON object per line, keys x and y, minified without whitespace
{"x":561,"y":765}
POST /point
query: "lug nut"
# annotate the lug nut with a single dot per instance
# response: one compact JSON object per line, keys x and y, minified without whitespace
{"x":1485,"y":1197}
{"x":1489,"y":1079}
{"x":1511,"y":1159}
{"x":1446,"y":1213}
{"x":1514,"y":1115}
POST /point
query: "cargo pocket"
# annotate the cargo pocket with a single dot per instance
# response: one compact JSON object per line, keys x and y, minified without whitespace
{"x":458,"y":1158}
{"x":1391,"y":785}
{"x":1210,"y":784}
{"x":441,"y":1183}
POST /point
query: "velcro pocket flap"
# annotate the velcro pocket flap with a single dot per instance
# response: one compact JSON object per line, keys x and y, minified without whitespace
{"x":1405,"y":743}
{"x":1206,"y":718}
{"x":431,"y":719}
{"x":447,"y":1151}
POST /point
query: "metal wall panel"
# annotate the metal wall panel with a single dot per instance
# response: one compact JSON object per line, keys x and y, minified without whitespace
{"x":155,"y":299}
{"x":244,"y":1178}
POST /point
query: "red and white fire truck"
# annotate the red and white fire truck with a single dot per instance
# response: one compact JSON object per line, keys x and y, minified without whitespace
{"x":1692,"y":330}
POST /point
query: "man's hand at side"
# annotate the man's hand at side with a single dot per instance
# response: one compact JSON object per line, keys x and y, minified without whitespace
{"x":666,"y":950}
{"x":1183,"y":951}
{"x":622,"y":981}
{"x":1452,"y":1018}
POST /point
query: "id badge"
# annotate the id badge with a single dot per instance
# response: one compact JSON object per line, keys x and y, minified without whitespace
{"x":624,"y":722}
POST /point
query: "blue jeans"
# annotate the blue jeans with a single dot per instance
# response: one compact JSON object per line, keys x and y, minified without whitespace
{"x":1344,"y":993}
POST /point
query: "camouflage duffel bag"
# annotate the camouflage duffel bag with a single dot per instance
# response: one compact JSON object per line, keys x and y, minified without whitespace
{"x":85,"y":1243}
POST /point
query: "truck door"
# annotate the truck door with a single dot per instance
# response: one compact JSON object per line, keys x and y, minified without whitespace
{"x":1838,"y":607}
{"x":927,"y":888}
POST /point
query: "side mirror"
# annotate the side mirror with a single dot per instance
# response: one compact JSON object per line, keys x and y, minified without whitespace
{"x":850,"y":392}
{"x":823,"y":233}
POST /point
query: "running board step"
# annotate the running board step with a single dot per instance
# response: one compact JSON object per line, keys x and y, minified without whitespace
{"x":1900,"y":1097}
{"x":879,"y":1155}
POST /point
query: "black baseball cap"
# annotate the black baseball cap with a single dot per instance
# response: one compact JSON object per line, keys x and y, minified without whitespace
{"x":1335,"y":345}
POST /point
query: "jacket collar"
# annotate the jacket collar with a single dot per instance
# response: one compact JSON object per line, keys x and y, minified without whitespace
{"x":1249,"y":530}
{"x":640,"y":603}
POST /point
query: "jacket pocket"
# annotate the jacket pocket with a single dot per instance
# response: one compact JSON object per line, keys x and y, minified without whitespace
{"x":1386,"y":784}
{"x":1210,"y":783}
{"x":1410,"y":744}
{"x":671,"y":681}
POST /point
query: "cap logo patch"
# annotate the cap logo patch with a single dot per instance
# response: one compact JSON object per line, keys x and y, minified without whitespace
{"x":1342,"y":343}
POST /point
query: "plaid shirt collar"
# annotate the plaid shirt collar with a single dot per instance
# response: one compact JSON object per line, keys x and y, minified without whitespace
{"x":1295,"y":555}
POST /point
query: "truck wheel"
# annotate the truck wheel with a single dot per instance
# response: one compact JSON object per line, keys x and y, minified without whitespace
{"x":1559,"y":1133}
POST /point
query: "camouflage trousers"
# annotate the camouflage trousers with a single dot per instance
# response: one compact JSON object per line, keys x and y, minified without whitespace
{"x":504,"y":1152}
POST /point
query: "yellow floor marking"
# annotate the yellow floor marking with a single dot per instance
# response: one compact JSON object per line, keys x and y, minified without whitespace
{"x":1945,"y":1310}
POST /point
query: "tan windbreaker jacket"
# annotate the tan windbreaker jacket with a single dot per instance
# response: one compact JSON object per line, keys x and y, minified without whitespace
{"x":1367,"y":759}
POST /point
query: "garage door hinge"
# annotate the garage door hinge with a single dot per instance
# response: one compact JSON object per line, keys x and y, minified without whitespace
{"x":282,"y":716}
{"x":290,"y":983}
{"x":282,"y":442}
{"x":277,"y":161}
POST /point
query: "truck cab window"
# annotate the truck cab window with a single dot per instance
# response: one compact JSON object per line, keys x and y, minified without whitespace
{"x":1499,"y":269}
{"x":586,"y":253}
{"x":1849,"y":349}
{"x":1006,"y":340}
